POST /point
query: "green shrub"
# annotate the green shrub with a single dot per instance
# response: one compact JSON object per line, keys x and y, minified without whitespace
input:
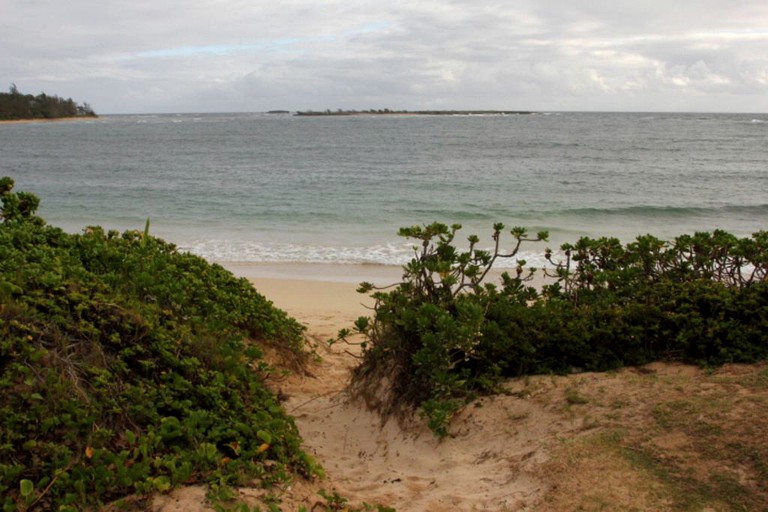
{"x":127,"y":367}
{"x":425,"y":341}
{"x":444,"y":334}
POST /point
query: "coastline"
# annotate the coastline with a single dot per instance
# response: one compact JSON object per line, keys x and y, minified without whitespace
{"x":350,"y":274}
{"x":340,"y":277}
{"x":323,"y":307}
{"x":322,"y":297}
{"x":46,"y":120}
{"x":388,"y":112}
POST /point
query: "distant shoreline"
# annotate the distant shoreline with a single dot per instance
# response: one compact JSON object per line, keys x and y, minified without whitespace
{"x":387,"y":112}
{"x":46,"y":119}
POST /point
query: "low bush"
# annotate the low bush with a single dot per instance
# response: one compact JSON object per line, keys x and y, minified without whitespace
{"x":444,"y":334}
{"x":425,"y":340}
{"x":127,"y":367}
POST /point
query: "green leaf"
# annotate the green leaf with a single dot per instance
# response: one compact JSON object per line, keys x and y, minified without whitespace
{"x":161,"y":483}
{"x":264,"y":436}
{"x":26,"y":487}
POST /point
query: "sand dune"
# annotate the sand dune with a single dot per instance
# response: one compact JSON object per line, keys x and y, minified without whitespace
{"x":643,"y":439}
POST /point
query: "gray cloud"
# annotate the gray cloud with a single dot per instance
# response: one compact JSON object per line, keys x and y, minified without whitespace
{"x":238,"y":55}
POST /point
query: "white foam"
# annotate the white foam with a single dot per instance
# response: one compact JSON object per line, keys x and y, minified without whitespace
{"x":382,"y":254}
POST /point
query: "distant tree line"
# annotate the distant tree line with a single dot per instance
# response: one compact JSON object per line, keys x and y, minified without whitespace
{"x":15,"y":105}
{"x":386,"y":111}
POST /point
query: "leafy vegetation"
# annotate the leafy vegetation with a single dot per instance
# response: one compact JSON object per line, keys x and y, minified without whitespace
{"x":127,"y":367}
{"x":15,"y":105}
{"x":444,"y":333}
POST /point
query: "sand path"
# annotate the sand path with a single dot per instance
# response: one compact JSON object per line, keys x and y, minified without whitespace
{"x":487,"y":464}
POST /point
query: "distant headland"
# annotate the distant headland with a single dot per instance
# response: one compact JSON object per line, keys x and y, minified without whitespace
{"x":388,"y":112}
{"x":15,"y":106}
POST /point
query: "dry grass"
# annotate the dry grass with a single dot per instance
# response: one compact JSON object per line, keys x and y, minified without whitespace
{"x":665,"y":438}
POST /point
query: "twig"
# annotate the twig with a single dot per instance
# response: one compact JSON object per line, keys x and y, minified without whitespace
{"x":323,"y":395}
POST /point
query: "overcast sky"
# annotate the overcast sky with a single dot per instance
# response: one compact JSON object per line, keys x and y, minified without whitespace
{"x":139,"y":56}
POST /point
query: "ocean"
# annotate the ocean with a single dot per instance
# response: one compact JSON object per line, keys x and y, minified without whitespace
{"x":276,"y":188}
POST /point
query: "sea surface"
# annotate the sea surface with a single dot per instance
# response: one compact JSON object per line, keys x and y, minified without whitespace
{"x":276,"y":188}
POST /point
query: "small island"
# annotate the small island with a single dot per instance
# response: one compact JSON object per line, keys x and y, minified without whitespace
{"x":15,"y":106}
{"x":388,"y":112}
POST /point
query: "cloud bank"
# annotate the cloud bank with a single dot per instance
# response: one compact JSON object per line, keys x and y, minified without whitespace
{"x":236,"y":55}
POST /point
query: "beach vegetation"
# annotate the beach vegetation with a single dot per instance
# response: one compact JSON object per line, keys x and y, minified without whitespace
{"x":446,"y":334}
{"x":15,"y":105}
{"x":128,"y":368}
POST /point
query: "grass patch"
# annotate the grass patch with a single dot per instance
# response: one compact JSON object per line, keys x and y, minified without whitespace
{"x":683,"y":488}
{"x":725,"y":465}
{"x":573,"y":397}
{"x":715,"y":467}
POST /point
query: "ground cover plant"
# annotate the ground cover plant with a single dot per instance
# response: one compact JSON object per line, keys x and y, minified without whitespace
{"x":128,"y":367}
{"x":445,"y":334}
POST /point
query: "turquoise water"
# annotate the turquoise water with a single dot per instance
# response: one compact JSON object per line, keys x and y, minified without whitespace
{"x":278,"y":188}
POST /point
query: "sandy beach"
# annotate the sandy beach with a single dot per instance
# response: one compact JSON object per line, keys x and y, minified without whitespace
{"x":610,"y":441}
{"x":380,"y":275}
{"x":323,"y":307}
{"x":367,"y":461}
{"x":321,"y":297}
